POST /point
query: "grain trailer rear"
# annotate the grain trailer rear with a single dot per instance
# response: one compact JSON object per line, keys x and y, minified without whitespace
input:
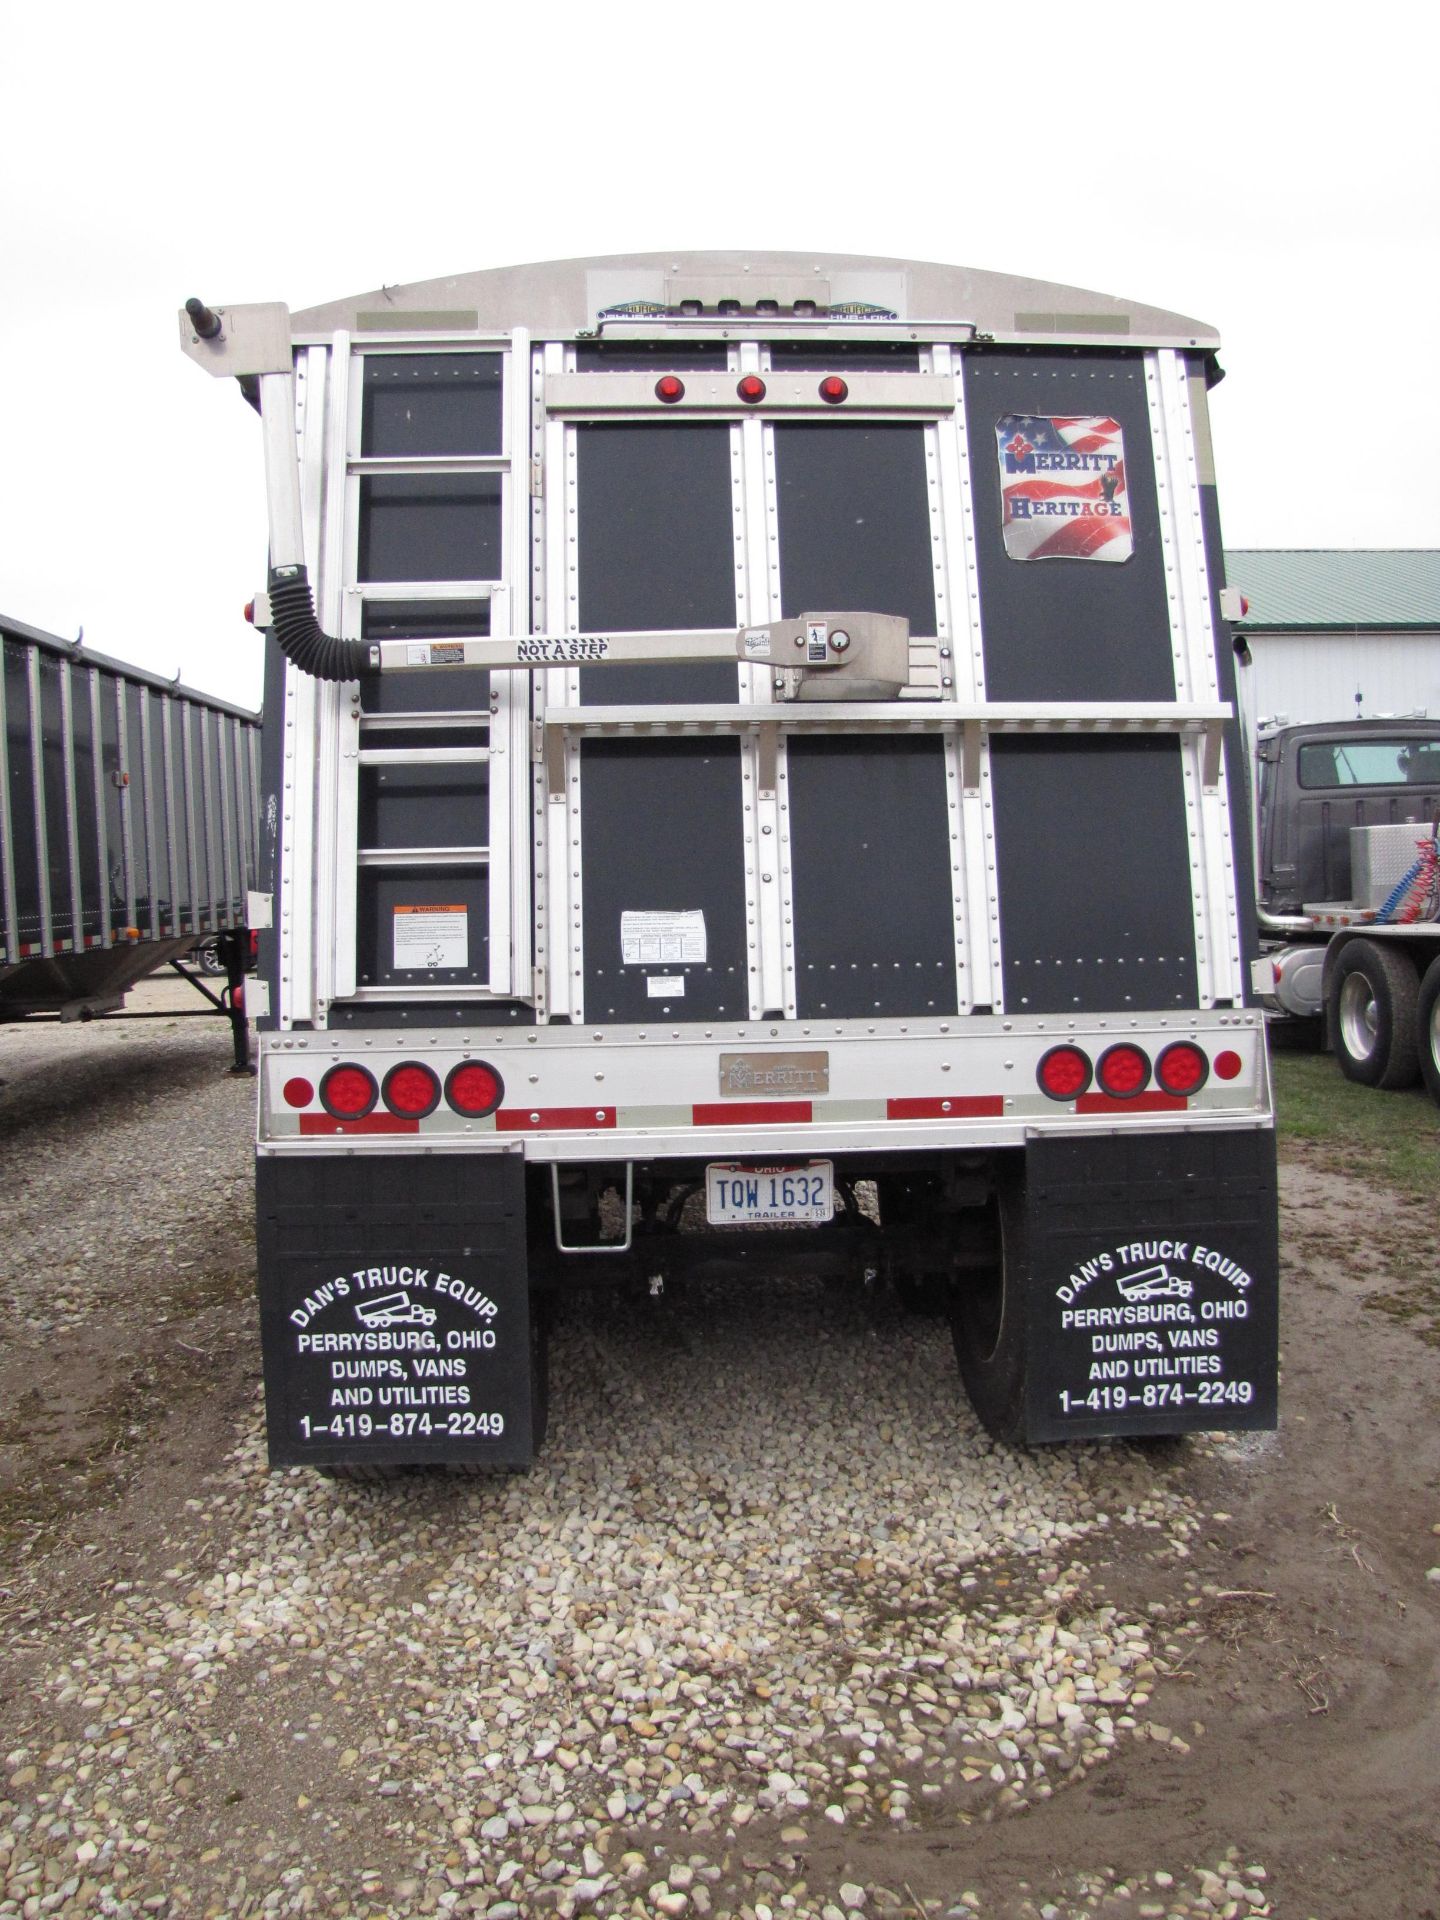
{"x":752,"y":745}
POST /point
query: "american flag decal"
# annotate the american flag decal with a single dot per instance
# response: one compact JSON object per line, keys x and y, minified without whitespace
{"x":1062,"y":486}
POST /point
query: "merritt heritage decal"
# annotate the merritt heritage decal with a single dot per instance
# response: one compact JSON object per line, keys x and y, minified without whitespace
{"x":1062,"y":487}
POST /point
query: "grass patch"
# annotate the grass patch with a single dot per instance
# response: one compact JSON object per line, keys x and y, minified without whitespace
{"x":1388,"y":1137}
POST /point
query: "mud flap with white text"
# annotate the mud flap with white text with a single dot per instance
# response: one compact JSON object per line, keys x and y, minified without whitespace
{"x":1150,"y":1264}
{"x":394,"y":1310}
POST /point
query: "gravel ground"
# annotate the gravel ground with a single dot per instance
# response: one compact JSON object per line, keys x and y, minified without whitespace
{"x":771,"y":1629}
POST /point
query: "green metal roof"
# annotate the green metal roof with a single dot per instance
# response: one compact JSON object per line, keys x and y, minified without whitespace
{"x":1313,"y":589}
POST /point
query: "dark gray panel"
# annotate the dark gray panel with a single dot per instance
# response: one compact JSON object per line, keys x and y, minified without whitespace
{"x":87,"y":826}
{"x":63,"y":921}
{"x":169,"y":882}
{"x":383,"y":889}
{"x":1063,"y":629}
{"x":456,"y":689}
{"x":854,"y":515}
{"x":431,"y":403}
{"x":20,"y":744}
{"x":113,"y":767}
{"x":446,"y":805}
{"x":870,"y":855}
{"x":192,"y":763}
{"x":430,"y":526}
{"x":656,"y":551}
{"x":661,"y":831}
{"x":1094,"y":875}
{"x":431,"y":1014}
{"x":649,"y":356}
{"x":870,"y":356}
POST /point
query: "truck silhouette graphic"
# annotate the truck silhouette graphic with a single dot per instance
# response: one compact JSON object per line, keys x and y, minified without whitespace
{"x":1155,"y":1283}
{"x":394,"y":1310}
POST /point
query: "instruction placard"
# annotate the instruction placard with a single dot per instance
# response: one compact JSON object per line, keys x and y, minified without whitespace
{"x":427,"y":938}
{"x":662,"y":939}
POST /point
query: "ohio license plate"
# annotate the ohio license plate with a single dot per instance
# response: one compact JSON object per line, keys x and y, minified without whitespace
{"x":769,"y":1196}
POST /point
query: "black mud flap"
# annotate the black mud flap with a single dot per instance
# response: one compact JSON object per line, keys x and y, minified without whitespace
{"x":394,"y":1310}
{"x":1150,"y":1265}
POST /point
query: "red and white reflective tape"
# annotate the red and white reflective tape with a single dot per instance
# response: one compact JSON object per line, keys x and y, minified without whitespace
{"x":740,"y":1113}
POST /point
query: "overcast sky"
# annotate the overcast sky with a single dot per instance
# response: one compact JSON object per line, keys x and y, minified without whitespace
{"x":1271,"y":169}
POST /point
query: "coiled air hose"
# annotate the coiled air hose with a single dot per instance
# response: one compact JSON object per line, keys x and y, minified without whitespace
{"x":1417,"y":895}
{"x":302,"y":640}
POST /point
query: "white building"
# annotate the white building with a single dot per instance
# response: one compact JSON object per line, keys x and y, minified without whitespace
{"x":1335,"y":635}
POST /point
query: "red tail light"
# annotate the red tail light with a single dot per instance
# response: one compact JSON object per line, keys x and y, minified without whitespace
{"x":1064,"y":1073}
{"x":348,"y":1093}
{"x":1229,"y":1065}
{"x":833,"y":390}
{"x":669,"y":388}
{"x":411,"y":1091}
{"x":474,"y":1090}
{"x":1123,"y":1071}
{"x":751,"y":388}
{"x":298,"y":1092}
{"x":1182,"y":1069}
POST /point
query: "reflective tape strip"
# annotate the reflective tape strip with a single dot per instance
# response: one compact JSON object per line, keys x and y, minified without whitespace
{"x":964,"y":1105}
{"x":753,"y":1113}
{"x":368,"y":1123}
{"x":1141,"y":1103}
{"x":558,"y":1119}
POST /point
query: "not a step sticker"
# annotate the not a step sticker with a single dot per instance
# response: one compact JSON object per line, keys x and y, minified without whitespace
{"x":406,"y":1353}
{"x":1160,"y":1326}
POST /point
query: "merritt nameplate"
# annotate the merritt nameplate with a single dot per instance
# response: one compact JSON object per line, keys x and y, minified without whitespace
{"x":760,"y":1076}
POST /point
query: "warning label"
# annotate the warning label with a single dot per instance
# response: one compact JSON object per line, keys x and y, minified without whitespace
{"x":430,"y":937}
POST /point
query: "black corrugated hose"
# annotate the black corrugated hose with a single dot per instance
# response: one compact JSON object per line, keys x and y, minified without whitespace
{"x":293,"y":622}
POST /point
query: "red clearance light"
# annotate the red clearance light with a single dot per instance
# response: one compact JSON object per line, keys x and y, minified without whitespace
{"x":751,"y":388}
{"x":833,"y":390}
{"x":669,"y":388}
{"x":474,"y":1090}
{"x":298,"y":1092}
{"x":1229,"y":1066}
{"x":1182,"y":1068}
{"x":1123,"y":1071}
{"x":411,"y":1090}
{"x":1064,"y":1073}
{"x":348,"y":1093}
{"x":250,"y":611}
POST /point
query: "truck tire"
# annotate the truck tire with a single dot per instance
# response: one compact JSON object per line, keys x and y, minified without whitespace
{"x":1370,"y":1015}
{"x":989,"y":1325}
{"x":1427,"y":1029}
